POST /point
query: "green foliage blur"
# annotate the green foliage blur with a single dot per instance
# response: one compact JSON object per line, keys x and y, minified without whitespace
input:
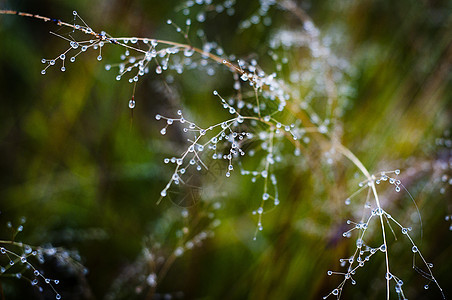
{"x":87,"y":173}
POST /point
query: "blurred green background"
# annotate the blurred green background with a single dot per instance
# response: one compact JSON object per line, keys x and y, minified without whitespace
{"x":87,"y":174}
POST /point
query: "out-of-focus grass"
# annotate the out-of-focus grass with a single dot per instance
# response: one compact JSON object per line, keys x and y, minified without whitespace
{"x":74,"y":159}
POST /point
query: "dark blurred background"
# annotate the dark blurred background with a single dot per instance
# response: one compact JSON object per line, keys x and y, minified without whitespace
{"x":87,"y":174}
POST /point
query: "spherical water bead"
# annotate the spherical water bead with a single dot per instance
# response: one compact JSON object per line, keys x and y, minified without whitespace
{"x":388,"y":276}
{"x":359,"y":243}
{"x":179,"y":251}
{"x":163,"y":131}
{"x":58,"y":296}
{"x":63,"y":69}
{"x":188,"y":52}
{"x":382,"y":248}
{"x":426,"y":286}
{"x":132,"y":104}
{"x":397,"y":172}
{"x":118,"y":77}
{"x":74,"y":13}
{"x":276,"y":202}
{"x":335,"y":292}
{"x":163,"y":193}
{"x":397,"y":189}
{"x":260,"y":210}
{"x":151,"y":280}
{"x":228,"y":174}
{"x":74,"y":45}
{"x":43,"y":72}
{"x":158,"y":70}
{"x":43,"y":61}
{"x":347,"y":201}
{"x":404,"y":230}
{"x":27,"y":249}
{"x":414,"y":249}
{"x":329,"y":273}
{"x":201,"y":17}
{"x":265,"y":196}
